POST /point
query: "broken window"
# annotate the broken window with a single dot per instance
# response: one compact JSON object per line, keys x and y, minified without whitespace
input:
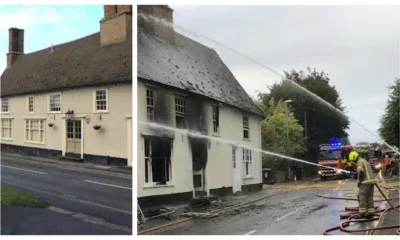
{"x":180,"y":111}
{"x":150,"y":104}
{"x":247,"y":162}
{"x":215,"y":115}
{"x":157,"y":151}
{"x":246,"y":128}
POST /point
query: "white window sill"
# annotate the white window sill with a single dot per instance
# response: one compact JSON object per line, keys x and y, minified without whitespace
{"x":54,"y":112}
{"x":100,"y":112}
{"x":248,"y":177}
{"x":247,"y":139}
{"x":7,"y":140}
{"x":30,"y":113}
{"x":157,"y":186}
{"x":5,"y":113}
{"x":215,"y":135}
{"x":36,"y":143}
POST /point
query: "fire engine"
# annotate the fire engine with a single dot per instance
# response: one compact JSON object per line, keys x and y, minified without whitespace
{"x":333,"y":155}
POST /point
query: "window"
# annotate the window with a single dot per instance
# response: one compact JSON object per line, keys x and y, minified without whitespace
{"x":6,"y":129}
{"x":246,"y":130}
{"x":101,"y":100}
{"x":34,"y":131}
{"x":180,"y":111}
{"x":157,"y":151}
{"x":215,"y":115}
{"x":150,"y":104}
{"x":4,"y":105}
{"x":234,"y":157}
{"x":30,"y":104}
{"x":55,"y":103}
{"x":247,"y":163}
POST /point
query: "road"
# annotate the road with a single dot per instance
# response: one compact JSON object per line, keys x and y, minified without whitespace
{"x":98,"y":195}
{"x":297,"y":212}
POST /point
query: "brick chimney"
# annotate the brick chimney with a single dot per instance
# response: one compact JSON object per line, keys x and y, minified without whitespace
{"x":157,"y":20}
{"x":116,"y":25}
{"x":15,"y":45}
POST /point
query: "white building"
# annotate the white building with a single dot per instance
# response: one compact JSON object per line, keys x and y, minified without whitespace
{"x":72,"y":99}
{"x":184,"y":84}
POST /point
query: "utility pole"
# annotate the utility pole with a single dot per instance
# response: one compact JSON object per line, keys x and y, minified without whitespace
{"x":287,"y":134}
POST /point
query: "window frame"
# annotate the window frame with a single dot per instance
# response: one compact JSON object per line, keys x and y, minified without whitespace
{"x":180,"y":114}
{"x":95,"y":110}
{"x":148,"y":160}
{"x":33,"y":104}
{"x":49,"y":99}
{"x":150,"y":107}
{"x":10,"y":127}
{"x":246,"y":128}
{"x":215,"y":120}
{"x":29,"y":130}
{"x":8,"y":105}
{"x":247,"y":157}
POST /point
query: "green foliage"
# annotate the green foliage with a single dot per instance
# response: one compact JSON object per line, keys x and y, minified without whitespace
{"x":11,"y":197}
{"x":390,"y":121}
{"x":374,"y":144}
{"x":274,"y":134}
{"x":323,"y":124}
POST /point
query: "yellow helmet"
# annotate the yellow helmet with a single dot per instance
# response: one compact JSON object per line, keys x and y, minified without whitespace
{"x":353,"y":155}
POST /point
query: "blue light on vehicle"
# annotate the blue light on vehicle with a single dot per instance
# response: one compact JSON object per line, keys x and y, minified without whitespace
{"x":335,"y":144}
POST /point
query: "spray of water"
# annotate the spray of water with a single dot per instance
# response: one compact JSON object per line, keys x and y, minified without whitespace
{"x":229,"y":142}
{"x":330,"y":106}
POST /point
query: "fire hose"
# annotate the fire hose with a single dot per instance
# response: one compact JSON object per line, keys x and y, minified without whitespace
{"x":354,"y":211}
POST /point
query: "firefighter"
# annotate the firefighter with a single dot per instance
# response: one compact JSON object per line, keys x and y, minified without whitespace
{"x":385,"y":165}
{"x":395,"y":166}
{"x":365,"y":183}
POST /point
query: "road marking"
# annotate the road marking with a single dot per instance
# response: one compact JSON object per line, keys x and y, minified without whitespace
{"x":90,"y":219}
{"x":287,"y":215}
{"x":336,"y":189}
{"x":251,"y":232}
{"x":106,"y":184}
{"x":22,"y":169}
{"x":69,"y":198}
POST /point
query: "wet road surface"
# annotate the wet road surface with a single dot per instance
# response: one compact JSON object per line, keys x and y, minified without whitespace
{"x":297,"y":212}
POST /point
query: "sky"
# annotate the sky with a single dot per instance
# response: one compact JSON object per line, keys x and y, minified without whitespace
{"x":358,"y":46}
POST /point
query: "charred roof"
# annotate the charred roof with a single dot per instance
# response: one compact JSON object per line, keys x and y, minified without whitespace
{"x":189,"y":65}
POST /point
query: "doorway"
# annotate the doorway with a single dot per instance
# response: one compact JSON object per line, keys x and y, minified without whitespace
{"x":74,"y":137}
{"x":236,"y":173}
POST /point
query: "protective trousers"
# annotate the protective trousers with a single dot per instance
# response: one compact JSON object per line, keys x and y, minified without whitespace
{"x":366,"y":199}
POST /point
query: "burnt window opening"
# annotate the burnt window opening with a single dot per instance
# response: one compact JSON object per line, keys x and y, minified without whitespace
{"x":180,"y":111}
{"x":215,"y":116}
{"x":246,"y":128}
{"x":150,"y":104}
{"x":157,"y":151}
{"x":248,"y":163}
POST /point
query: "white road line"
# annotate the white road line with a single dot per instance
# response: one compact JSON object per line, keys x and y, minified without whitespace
{"x":69,"y":198}
{"x":287,"y":215}
{"x":22,"y":169}
{"x":336,"y":189}
{"x":251,"y":232}
{"x":105,"y":184}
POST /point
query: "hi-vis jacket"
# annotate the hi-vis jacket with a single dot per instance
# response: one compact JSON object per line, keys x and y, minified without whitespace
{"x":364,"y":166}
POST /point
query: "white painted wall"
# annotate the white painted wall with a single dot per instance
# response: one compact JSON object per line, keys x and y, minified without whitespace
{"x":219,"y":164}
{"x":111,"y":140}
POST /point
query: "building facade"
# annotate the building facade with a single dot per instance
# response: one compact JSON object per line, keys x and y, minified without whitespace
{"x":73,"y":99}
{"x":184,"y":85}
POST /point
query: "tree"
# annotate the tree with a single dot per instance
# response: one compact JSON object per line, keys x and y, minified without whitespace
{"x":323,"y":124}
{"x":274,"y":134}
{"x":390,"y":121}
{"x":374,"y":144}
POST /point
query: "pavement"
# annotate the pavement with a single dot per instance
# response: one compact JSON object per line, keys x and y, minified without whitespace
{"x":79,"y":197}
{"x":295,"y":212}
{"x":109,"y":169}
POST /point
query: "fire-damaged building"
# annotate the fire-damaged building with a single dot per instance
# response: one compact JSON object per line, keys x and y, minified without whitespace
{"x":185,"y":85}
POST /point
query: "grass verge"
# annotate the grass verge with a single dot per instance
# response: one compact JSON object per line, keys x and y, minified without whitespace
{"x":11,"y":197}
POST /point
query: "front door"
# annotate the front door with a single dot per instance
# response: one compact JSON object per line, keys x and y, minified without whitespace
{"x":74,"y":136}
{"x":236,"y":173}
